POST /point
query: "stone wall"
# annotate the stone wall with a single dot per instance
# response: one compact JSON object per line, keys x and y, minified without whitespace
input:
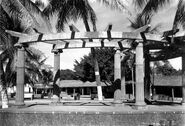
{"x":91,"y":119}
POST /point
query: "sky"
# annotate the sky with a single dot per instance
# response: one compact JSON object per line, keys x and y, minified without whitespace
{"x":120,"y":22}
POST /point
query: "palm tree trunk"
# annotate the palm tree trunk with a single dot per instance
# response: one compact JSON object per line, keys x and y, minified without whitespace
{"x":3,"y":91}
{"x":96,"y":67}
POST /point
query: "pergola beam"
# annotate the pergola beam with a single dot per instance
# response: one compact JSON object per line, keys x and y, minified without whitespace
{"x":83,"y":44}
{"x":164,"y":55}
{"x":84,"y":35}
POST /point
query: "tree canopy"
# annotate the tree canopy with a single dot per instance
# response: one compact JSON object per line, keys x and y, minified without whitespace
{"x":85,"y":68}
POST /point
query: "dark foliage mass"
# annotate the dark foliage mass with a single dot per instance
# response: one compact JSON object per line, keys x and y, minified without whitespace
{"x":166,"y":69}
{"x":85,"y":68}
{"x":68,"y":75}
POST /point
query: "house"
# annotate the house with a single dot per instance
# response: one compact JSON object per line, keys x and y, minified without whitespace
{"x":41,"y":90}
{"x":170,"y":86}
{"x":83,"y":88}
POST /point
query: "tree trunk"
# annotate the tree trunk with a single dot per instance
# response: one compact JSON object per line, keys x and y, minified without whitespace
{"x":4,"y":95}
{"x":96,"y":67}
{"x":4,"y":98}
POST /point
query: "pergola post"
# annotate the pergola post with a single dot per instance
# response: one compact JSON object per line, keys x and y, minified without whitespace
{"x":123,"y":68}
{"x":56,"y":73}
{"x":123,"y":84}
{"x":19,"y":101}
{"x":183,"y":79}
{"x":117,"y":65}
{"x":56,"y":62}
{"x":139,"y":76}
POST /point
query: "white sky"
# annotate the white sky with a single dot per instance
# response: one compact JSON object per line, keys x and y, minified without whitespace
{"x":120,"y":23}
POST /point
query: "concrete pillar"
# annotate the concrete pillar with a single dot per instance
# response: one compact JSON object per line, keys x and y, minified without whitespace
{"x":123,"y":84}
{"x":139,"y":75}
{"x":56,"y":62}
{"x":20,"y":77}
{"x":82,"y":90}
{"x":123,"y":68}
{"x":97,"y":75}
{"x":117,"y":65}
{"x":183,"y":79}
{"x":56,"y":73}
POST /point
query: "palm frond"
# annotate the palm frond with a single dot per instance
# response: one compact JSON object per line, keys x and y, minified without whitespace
{"x":180,"y":15}
{"x":140,"y":20}
{"x":139,"y":3}
{"x":71,"y":10}
{"x":5,"y":23}
{"x":35,"y":56}
{"x":154,"y":5}
{"x":115,"y":4}
{"x":36,"y":12}
{"x":156,"y":28}
{"x":19,"y":14}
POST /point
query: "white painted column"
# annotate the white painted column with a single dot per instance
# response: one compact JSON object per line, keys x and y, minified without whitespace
{"x":139,"y":76}
{"x":97,"y":75}
{"x":56,"y":62}
{"x":117,"y":65}
{"x":123,"y":68}
{"x":56,"y":73}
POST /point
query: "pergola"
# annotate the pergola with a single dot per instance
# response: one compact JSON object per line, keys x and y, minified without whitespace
{"x":168,"y":45}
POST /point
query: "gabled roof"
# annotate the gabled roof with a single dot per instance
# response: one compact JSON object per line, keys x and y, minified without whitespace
{"x":78,"y":83}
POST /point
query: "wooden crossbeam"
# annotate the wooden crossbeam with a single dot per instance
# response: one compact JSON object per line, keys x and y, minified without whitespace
{"x":142,"y":29}
{"x":170,"y":32}
{"x":163,"y":57}
{"x":108,"y":28}
{"x":73,"y":28}
{"x":86,"y":35}
{"x":80,"y":44}
{"x":165,"y":54}
{"x":16,"y":34}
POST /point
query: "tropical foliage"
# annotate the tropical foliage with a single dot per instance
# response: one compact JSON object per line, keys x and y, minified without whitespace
{"x":19,"y":15}
{"x":148,"y":8}
{"x":68,"y":75}
{"x":85,"y":68}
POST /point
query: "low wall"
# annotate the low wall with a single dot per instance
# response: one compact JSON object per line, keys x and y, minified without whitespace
{"x":13,"y":118}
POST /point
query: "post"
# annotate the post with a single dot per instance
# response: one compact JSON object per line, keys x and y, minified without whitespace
{"x":122,"y":68}
{"x":147,"y":75}
{"x":173,"y":94}
{"x":183,"y":79}
{"x":56,"y":73}
{"x":133,"y":83}
{"x":117,"y":65}
{"x":19,"y":101}
{"x":139,"y":76}
{"x":97,"y":75}
{"x":56,"y":62}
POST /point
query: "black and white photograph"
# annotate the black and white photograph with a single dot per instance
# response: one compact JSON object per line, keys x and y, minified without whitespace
{"x":92,"y":62}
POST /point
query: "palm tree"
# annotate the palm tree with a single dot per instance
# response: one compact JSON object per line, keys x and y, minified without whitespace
{"x":150,"y":7}
{"x":16,"y":15}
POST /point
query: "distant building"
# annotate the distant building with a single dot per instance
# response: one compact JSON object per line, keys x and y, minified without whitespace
{"x":84,"y":88}
{"x":170,"y":86}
